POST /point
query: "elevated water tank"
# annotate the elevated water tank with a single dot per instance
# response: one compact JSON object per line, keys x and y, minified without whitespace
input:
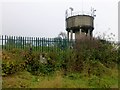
{"x":84,"y":22}
{"x":80,"y":24}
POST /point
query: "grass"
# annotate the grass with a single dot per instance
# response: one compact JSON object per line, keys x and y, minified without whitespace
{"x":25,"y":79}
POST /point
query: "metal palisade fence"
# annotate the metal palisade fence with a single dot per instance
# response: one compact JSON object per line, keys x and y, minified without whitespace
{"x":36,"y":43}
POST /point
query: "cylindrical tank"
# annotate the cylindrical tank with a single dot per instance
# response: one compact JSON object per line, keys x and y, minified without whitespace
{"x":81,"y":25}
{"x":79,"y":21}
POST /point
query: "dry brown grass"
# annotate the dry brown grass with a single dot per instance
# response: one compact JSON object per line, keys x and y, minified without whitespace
{"x":49,"y":82}
{"x":18,"y":80}
{"x":26,"y":80}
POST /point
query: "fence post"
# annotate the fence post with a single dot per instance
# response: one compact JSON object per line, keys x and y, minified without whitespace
{"x":2,"y":42}
{"x":11,"y":47}
{"x":7,"y":43}
{"x":14,"y":41}
{"x":42,"y":44}
{"x":30,"y":48}
{"x":54,"y":41}
{"x":27,"y":42}
{"x":48,"y":41}
{"x":23,"y":42}
{"x":36,"y":44}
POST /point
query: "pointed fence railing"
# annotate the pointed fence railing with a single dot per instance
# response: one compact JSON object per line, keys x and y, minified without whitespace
{"x":36,"y":43}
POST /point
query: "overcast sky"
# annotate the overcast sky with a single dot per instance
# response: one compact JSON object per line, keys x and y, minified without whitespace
{"x":46,"y":18}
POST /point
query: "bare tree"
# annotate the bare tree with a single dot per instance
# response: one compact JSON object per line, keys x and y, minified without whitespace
{"x":62,"y":35}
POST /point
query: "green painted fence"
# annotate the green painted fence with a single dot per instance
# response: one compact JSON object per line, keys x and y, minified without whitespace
{"x":36,"y":43}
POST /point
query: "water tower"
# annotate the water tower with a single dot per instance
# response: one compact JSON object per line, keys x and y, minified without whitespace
{"x":81,"y":24}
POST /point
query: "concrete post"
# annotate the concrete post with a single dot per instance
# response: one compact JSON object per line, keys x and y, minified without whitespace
{"x":89,"y":32}
{"x":77,"y":35}
{"x":71,"y":35}
{"x":68,"y":35}
{"x":80,"y":31}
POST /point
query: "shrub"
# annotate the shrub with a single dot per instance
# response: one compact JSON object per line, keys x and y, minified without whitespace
{"x":12,"y":62}
{"x":11,"y":67}
{"x":87,"y":52}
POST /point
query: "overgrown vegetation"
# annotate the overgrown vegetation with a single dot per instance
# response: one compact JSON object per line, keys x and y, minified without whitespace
{"x":90,"y":63}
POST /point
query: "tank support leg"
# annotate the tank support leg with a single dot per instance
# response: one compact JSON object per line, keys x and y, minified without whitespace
{"x":71,"y":35}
